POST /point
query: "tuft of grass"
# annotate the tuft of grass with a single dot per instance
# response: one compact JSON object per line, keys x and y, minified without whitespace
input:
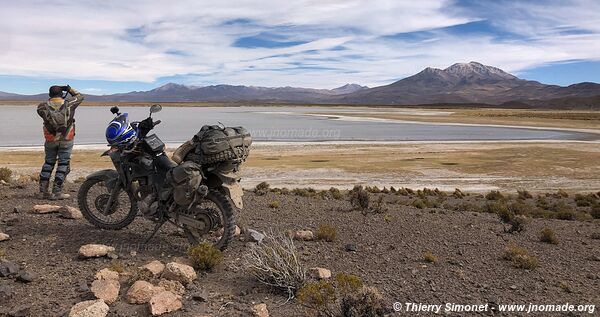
{"x":262,"y":188}
{"x":117,"y":266}
{"x":205,"y":256}
{"x":565,"y":287}
{"x":494,"y":195}
{"x":5,"y":174}
{"x":388,"y":218}
{"x":326,"y":232}
{"x":304,"y":192}
{"x":547,"y":235}
{"x":420,"y":203}
{"x":429,"y":257}
{"x":2,"y":253}
{"x":274,"y":204}
{"x":519,"y":257}
{"x":458,"y":193}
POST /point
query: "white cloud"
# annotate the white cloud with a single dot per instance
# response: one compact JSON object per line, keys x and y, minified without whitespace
{"x":145,"y":40}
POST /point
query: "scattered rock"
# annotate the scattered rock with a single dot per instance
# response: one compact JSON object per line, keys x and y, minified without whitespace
{"x":155,"y":268}
{"x":237,"y":231}
{"x":82,"y":287}
{"x":254,"y":236}
{"x":70,"y":212}
{"x":8,"y":268}
{"x":172,"y":286}
{"x":20,"y":311}
{"x":112,"y":255}
{"x":164,"y":302}
{"x":3,"y":182}
{"x":107,"y":290}
{"x":107,"y":274}
{"x":4,"y":236}
{"x":45,"y":209}
{"x":17,"y":209}
{"x":200,"y":295}
{"x":6,"y":292}
{"x":319,"y":273}
{"x":27,"y":276}
{"x":141,"y":292}
{"x":304,"y":235}
{"x":94,"y":250}
{"x":351,"y":247}
{"x":260,"y":310}
{"x":89,"y":308}
{"x":179,"y":272}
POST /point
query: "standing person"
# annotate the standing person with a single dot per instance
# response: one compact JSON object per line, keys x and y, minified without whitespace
{"x":58,"y":114}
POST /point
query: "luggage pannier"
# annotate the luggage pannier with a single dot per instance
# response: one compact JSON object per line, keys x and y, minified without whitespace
{"x":215,"y":144}
{"x":185,"y":180}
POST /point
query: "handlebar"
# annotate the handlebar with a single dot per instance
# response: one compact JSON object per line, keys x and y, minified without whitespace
{"x":157,"y":122}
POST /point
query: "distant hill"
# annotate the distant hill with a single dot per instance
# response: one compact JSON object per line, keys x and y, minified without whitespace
{"x":461,"y":83}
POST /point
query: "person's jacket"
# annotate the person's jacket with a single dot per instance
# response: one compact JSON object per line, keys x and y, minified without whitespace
{"x":49,"y":133}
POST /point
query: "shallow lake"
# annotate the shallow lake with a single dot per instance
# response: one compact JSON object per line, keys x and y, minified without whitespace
{"x":21,"y":126}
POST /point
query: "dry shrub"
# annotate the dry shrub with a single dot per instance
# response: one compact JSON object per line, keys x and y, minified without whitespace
{"x":458,"y":193}
{"x":494,"y":195}
{"x":347,"y":283}
{"x":317,"y":295}
{"x":262,"y":188}
{"x":205,"y":256}
{"x":304,"y":192}
{"x":429,"y":257}
{"x":5,"y":174}
{"x":373,"y":190}
{"x":367,"y":302}
{"x":565,"y":287}
{"x":379,"y":206}
{"x":595,"y":212}
{"x":524,"y":194}
{"x":274,"y":204}
{"x":275,"y":262}
{"x":547,"y":235}
{"x":586,"y":200}
{"x":420,"y":203}
{"x":326,"y":233}
{"x":2,"y":253}
{"x":359,"y":198}
{"x":519,"y":257}
{"x":335,"y":193}
{"x":542,"y":203}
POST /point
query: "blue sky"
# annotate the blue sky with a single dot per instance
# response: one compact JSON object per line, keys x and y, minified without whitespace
{"x":119,"y":46}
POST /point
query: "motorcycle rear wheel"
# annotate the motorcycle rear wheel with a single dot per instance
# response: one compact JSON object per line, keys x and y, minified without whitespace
{"x":227,"y":218}
{"x":125,"y":207}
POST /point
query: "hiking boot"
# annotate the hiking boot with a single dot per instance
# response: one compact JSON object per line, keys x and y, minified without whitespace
{"x":43,"y":193}
{"x":59,"y":196}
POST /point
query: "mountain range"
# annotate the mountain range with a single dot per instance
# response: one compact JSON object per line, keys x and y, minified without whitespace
{"x":461,"y":83}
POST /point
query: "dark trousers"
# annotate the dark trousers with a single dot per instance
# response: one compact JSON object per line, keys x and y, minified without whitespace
{"x":57,"y":151}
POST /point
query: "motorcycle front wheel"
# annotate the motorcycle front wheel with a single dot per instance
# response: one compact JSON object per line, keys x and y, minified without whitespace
{"x":216,"y":208}
{"x":93,"y":197}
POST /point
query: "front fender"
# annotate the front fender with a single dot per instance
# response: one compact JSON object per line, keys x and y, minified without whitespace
{"x":103,"y":175}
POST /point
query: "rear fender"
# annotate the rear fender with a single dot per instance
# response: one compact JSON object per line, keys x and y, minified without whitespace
{"x":230,"y":182}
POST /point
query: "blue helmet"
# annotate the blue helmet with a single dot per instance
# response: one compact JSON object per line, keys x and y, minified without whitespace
{"x":120,"y":132}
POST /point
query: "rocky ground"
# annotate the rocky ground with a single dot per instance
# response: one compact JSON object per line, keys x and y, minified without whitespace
{"x":447,"y":250}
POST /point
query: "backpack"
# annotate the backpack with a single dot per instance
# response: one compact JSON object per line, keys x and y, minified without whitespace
{"x":58,"y":119}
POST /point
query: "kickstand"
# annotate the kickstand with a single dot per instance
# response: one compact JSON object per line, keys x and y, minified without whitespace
{"x":158,"y":225}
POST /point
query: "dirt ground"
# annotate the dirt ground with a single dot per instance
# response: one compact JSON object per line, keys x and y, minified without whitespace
{"x":389,"y":254}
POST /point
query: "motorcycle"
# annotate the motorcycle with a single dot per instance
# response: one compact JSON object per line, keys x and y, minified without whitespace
{"x":111,"y":198}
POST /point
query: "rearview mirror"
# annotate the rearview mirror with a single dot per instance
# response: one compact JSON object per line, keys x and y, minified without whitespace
{"x":114,"y":110}
{"x":155,"y":108}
